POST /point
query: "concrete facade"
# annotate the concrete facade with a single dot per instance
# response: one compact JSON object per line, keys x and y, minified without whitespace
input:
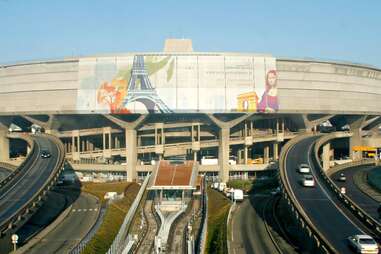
{"x":303,"y":86}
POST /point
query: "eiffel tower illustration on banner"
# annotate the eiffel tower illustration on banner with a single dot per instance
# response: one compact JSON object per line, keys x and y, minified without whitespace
{"x":140,"y":89}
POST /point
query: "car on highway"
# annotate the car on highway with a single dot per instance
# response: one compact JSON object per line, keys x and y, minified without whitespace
{"x":45,"y":154}
{"x":342,"y":178}
{"x":308,"y":181}
{"x":363,"y":244}
{"x":304,"y":169}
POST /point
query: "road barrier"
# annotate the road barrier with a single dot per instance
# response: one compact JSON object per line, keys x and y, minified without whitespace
{"x":16,"y":174}
{"x":28,"y":208}
{"x":200,"y":242}
{"x":320,"y":242}
{"x":8,"y":166}
{"x":120,"y":241}
{"x":372,"y":224}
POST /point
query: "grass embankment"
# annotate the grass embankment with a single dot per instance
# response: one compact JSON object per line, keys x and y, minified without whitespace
{"x":114,"y":216}
{"x":244,"y":185}
{"x":374,"y":178}
{"x":218,"y":210}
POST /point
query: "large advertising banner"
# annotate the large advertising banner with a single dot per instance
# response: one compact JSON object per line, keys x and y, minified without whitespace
{"x":177,"y":83}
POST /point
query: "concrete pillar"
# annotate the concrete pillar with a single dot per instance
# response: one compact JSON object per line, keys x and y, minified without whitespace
{"x":73,"y":149}
{"x":266,"y":154}
{"x":78,"y":143}
{"x":355,"y":140}
{"x":326,"y":156}
{"x":131,"y":153}
{"x":104,"y":141}
{"x":110,"y":140}
{"x":75,"y":145}
{"x":116,"y":142}
{"x":223,"y":154}
{"x":4,"y":146}
{"x":245,"y":152}
{"x":195,"y":156}
{"x":276,"y":151}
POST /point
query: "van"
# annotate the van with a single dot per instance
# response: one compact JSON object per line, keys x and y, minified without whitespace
{"x":221,"y":186}
{"x":209,"y":160}
{"x":238,"y":195}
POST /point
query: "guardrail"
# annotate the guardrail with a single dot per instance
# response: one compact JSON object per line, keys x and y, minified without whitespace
{"x":26,"y":210}
{"x":372,"y":224}
{"x":25,"y":164}
{"x":8,"y":166}
{"x":201,"y":238}
{"x":336,"y":168}
{"x":313,"y":233}
{"x":120,"y":241}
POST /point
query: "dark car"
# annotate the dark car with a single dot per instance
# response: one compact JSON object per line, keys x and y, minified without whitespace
{"x":45,"y":154}
{"x":342,"y":177}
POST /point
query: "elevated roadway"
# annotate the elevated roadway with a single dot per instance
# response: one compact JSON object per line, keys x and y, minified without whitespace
{"x":368,"y":204}
{"x":20,"y":200}
{"x":182,"y":147}
{"x":64,"y":237}
{"x":318,"y":204}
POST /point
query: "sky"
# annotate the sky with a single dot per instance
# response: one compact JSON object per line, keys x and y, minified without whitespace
{"x":330,"y":30}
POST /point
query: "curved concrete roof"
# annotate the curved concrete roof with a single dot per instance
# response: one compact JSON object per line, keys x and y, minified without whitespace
{"x":304,"y":85}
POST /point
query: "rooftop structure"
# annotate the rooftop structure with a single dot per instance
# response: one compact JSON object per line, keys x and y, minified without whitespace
{"x":178,"y":45}
{"x":173,"y":175}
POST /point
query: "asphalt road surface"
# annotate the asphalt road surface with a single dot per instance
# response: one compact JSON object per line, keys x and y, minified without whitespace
{"x":249,"y":233}
{"x":323,"y":210}
{"x":72,"y":229}
{"x":368,"y":204}
{"x":4,"y":173}
{"x":33,"y":179}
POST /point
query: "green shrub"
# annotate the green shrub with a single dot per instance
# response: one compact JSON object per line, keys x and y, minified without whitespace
{"x":218,"y":210}
{"x":113,"y":218}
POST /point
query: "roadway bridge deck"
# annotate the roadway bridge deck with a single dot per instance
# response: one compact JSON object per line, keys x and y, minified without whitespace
{"x":368,"y":204}
{"x":20,"y":199}
{"x":317,"y":203}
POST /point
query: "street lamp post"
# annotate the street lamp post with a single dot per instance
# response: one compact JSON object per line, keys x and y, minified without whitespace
{"x":14,"y":238}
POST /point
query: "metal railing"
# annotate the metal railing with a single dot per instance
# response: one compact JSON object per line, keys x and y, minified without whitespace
{"x":371,"y":223}
{"x":121,"y":241}
{"x":25,"y":164}
{"x":27,"y":208}
{"x":313,"y":233}
{"x":201,"y":238}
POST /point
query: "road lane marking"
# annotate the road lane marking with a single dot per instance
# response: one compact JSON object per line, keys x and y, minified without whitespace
{"x":326,"y":193}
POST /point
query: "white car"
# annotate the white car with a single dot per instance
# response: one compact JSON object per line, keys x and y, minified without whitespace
{"x":232,"y":160}
{"x":308,"y":181}
{"x":363,"y":244}
{"x":304,"y":169}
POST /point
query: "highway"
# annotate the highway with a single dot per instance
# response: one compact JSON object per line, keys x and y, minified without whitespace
{"x":323,"y":210}
{"x":249,"y":233}
{"x":368,"y":204}
{"x":67,"y":234}
{"x":32,"y":180}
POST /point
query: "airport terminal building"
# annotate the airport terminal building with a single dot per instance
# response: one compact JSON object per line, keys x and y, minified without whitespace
{"x":118,"y":112}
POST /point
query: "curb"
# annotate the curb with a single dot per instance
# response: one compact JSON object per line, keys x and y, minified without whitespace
{"x":44,"y":232}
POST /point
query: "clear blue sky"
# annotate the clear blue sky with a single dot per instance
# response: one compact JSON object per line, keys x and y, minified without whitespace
{"x":345,"y":30}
